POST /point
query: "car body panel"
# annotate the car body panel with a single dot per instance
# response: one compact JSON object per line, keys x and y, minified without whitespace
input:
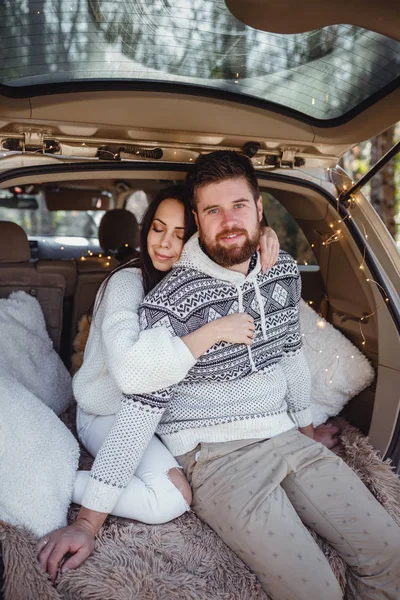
{"x":290,"y":16}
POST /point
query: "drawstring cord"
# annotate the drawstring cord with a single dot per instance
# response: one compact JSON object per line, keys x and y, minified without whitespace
{"x":240,"y":300}
{"x":261,"y":307}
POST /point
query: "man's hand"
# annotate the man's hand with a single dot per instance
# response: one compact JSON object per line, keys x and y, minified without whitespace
{"x":326,"y":434}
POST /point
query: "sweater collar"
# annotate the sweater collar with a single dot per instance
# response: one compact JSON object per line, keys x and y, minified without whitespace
{"x":193,"y":257}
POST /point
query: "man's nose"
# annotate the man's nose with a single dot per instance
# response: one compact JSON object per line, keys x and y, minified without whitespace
{"x":228,"y":218}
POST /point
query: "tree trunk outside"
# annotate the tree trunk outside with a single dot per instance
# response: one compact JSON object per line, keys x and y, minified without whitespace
{"x":382,"y":184}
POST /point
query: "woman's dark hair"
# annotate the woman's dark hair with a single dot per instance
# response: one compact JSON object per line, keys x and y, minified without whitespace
{"x":151,"y":275}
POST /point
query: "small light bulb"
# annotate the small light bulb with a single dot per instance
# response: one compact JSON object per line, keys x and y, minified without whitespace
{"x":326,"y":370}
{"x":62,"y":248}
{"x":107,"y":264}
{"x":352,"y":356}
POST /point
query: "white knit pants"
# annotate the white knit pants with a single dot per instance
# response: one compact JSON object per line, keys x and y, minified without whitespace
{"x":150,"y":496}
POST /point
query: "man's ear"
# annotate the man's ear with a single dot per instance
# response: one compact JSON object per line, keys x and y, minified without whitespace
{"x":260,"y":208}
{"x":196,"y":218}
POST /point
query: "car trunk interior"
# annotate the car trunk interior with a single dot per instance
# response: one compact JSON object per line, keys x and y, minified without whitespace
{"x":336,"y":285}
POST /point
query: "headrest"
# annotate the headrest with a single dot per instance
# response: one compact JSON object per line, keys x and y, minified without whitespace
{"x":14,"y":244}
{"x":117,"y":228}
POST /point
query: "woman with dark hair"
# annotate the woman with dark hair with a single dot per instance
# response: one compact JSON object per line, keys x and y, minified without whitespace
{"x":116,"y":362}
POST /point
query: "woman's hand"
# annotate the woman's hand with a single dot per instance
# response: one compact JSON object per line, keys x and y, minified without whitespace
{"x":269,"y":248}
{"x":76,"y":539}
{"x":236,"y":329}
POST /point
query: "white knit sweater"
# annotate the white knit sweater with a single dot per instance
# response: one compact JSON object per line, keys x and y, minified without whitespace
{"x":120,"y":358}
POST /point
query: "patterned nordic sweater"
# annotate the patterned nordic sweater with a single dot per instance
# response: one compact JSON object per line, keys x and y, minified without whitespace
{"x":233,"y":391}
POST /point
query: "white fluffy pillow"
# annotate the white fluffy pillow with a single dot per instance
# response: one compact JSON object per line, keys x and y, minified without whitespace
{"x":38,"y":454}
{"x":38,"y":461}
{"x":27,"y":353}
{"x":334,"y":380}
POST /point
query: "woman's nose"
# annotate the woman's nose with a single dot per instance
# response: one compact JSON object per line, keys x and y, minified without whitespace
{"x":165,"y":241}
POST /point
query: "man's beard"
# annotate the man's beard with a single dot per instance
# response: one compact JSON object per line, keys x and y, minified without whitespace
{"x":228,"y":256}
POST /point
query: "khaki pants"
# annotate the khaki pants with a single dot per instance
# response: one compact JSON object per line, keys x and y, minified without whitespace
{"x":258,"y":494}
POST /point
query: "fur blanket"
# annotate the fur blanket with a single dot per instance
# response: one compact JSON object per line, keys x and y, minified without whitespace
{"x":35,"y":387}
{"x":181,"y":560}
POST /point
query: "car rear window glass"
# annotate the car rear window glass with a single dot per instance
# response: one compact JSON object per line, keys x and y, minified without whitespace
{"x":322,"y":74}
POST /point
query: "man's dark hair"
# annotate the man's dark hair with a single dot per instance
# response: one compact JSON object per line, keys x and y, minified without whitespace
{"x":218,"y":166}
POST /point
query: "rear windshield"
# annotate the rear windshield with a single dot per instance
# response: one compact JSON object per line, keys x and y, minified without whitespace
{"x":322,"y":74}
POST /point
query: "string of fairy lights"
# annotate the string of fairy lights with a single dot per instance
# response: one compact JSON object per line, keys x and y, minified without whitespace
{"x":331,"y":238}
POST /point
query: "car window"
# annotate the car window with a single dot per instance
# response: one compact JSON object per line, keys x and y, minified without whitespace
{"x":60,"y":223}
{"x":291,"y":237}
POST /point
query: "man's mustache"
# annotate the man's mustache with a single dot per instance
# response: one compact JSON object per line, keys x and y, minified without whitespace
{"x":234,"y":231}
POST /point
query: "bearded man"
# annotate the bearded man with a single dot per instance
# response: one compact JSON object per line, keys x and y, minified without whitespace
{"x":240,"y":422}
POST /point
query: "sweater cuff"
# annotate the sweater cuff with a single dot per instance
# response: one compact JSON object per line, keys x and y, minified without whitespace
{"x":301,"y":418}
{"x":100,"y":496}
